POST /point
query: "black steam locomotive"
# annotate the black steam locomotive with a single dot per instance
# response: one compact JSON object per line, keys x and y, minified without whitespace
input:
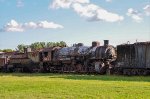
{"x":128,"y":59}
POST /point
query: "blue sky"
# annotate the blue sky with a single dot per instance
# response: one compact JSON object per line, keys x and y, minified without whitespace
{"x":73,"y":21}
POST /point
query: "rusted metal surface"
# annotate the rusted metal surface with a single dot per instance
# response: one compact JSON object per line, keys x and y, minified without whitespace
{"x":100,"y":52}
{"x":6,"y":54}
{"x":66,"y":51}
{"x":45,"y":54}
{"x":126,"y":55}
{"x":148,"y":55}
{"x":135,"y":55}
{"x":142,"y":51}
{"x":19,"y":55}
{"x":2,"y":62}
{"x":91,"y":52}
{"x":2,"y":56}
{"x":105,"y":52}
{"x":34,"y":56}
{"x":46,"y":49}
{"x":9,"y":53}
{"x":81,"y":50}
{"x":20,"y":60}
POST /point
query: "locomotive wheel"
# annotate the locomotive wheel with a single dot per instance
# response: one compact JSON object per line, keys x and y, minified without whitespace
{"x":66,"y":68}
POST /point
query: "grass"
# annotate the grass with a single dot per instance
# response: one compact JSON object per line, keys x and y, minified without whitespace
{"x":72,"y":86}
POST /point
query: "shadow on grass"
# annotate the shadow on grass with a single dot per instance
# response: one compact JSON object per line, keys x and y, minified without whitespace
{"x":82,"y":77}
{"x":110,"y":78}
{"x":28,"y":74}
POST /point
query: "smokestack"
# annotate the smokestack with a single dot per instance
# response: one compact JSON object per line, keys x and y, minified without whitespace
{"x":95,"y":43}
{"x":106,"y":42}
{"x":26,"y":50}
{"x":80,"y":44}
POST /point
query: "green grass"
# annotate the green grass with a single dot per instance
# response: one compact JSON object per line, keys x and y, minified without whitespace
{"x":71,"y":86}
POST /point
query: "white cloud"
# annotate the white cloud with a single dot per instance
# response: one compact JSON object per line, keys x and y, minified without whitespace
{"x":66,"y":3}
{"x":108,"y":16}
{"x":31,"y":25}
{"x":48,"y":25}
{"x":134,"y":14}
{"x":20,"y":3}
{"x":14,"y":26}
{"x":147,"y":10}
{"x":60,"y":4}
{"x":94,"y":13}
{"x":108,"y":0}
{"x":81,"y":1}
{"x":88,"y":10}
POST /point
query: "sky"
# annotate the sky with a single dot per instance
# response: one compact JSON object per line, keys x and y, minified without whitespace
{"x":73,"y":21}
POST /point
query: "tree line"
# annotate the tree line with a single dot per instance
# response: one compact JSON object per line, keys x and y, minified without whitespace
{"x":36,"y":45}
{"x":6,"y":50}
{"x":40,"y":45}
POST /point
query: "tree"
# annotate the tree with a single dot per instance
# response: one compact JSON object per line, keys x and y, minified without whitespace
{"x":39,"y":45}
{"x":21,"y":47}
{"x":57,"y":44}
{"x":35,"y":46}
{"x":42,"y":44}
{"x":62,"y":43}
{"x":49,"y":44}
{"x":7,"y":50}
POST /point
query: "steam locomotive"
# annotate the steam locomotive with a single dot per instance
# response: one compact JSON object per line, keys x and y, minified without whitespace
{"x":128,"y":59}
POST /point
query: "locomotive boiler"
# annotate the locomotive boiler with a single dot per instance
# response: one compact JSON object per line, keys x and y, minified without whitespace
{"x":102,"y":59}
